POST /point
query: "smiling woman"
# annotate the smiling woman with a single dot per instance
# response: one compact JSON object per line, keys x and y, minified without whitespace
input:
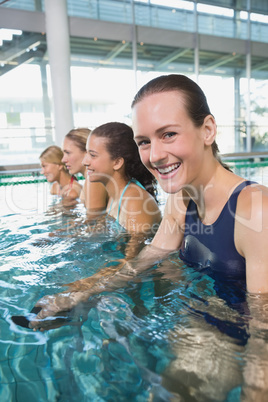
{"x":112,"y":159}
{"x":94,"y":195}
{"x":215,"y":218}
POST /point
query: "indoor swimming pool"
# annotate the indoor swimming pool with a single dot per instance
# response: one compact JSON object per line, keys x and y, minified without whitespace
{"x":171,"y":334}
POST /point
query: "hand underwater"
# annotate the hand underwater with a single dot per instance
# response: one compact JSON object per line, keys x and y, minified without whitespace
{"x":50,"y":312}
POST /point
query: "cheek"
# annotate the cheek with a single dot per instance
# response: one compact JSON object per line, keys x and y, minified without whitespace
{"x":145,"y":157}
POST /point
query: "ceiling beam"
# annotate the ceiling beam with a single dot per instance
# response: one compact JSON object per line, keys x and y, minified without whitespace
{"x":219,"y":62}
{"x":115,"y":52}
{"x":171,"y":57}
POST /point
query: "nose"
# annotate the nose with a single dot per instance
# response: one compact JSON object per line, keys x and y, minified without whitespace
{"x":64,"y":159}
{"x":42,"y":170}
{"x":86,"y":160}
{"x":157,"y":152}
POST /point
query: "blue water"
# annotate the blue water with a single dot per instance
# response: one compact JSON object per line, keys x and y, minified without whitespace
{"x":169,"y":331}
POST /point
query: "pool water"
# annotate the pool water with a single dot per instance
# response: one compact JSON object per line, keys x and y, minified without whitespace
{"x":170,"y":334}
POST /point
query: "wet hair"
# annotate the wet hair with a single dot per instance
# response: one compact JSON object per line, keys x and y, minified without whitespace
{"x":194,"y":98}
{"x":79,"y":136}
{"x":120,"y":144}
{"x":52,"y":154}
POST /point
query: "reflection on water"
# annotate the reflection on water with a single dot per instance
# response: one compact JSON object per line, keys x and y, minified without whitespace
{"x":171,"y":334}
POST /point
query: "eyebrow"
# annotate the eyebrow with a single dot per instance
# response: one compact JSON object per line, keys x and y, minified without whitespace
{"x":159,"y":130}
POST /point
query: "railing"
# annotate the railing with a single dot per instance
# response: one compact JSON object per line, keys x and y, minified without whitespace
{"x":162,"y":17}
{"x":23,"y":145}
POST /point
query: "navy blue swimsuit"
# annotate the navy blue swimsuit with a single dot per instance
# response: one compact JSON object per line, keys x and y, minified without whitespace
{"x":212,"y":246}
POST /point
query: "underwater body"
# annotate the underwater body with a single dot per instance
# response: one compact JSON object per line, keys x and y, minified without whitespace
{"x":171,"y":333}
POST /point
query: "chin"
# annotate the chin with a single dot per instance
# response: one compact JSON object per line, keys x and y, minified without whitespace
{"x":170,"y":188}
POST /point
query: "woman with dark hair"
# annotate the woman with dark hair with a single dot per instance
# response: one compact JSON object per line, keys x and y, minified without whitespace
{"x":219,"y":223}
{"x":218,"y":220}
{"x":113,"y":159}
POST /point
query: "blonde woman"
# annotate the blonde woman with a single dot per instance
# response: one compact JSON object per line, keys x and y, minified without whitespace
{"x":93,"y":195}
{"x":63,"y":183}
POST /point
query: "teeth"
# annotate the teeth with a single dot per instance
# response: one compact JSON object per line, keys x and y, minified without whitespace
{"x":168,"y":169}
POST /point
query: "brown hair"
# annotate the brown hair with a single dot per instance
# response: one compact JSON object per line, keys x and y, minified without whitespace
{"x":120,"y":144}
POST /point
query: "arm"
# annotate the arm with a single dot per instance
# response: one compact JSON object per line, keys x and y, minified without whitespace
{"x":54,"y":188}
{"x":251,"y":236}
{"x":95,"y":197}
{"x":251,"y":239}
{"x":255,"y":370}
{"x":140,"y":213}
{"x":167,"y":239}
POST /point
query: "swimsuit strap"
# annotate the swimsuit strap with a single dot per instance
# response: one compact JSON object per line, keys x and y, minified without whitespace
{"x":134,"y":181}
{"x":71,"y":182}
{"x":122,"y":195}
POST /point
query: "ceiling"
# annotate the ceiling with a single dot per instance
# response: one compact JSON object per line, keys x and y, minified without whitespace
{"x":32,"y":48}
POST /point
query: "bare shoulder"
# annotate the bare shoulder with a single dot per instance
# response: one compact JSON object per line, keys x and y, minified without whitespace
{"x":139,"y":210}
{"x":252,"y":200}
{"x":135,"y":197}
{"x":94,"y":195}
{"x":251,"y":235}
{"x":77,"y":186}
{"x":55,"y":188}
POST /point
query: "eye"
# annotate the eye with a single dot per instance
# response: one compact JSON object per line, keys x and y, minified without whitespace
{"x":143,"y":143}
{"x":169,"y":135}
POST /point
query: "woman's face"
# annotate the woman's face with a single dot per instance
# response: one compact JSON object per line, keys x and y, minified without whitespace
{"x":51,"y":171}
{"x":170,"y":146}
{"x":73,"y":157}
{"x":97,"y":160}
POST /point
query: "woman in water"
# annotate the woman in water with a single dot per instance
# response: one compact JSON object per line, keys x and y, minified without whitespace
{"x":217,"y":220}
{"x":63,"y":184}
{"x":113,"y":159}
{"x":93,"y":195}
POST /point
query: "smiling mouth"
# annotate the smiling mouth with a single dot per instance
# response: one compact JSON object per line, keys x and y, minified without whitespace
{"x":168,"y":169}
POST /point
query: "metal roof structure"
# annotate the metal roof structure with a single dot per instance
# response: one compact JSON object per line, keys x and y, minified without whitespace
{"x":108,"y":43}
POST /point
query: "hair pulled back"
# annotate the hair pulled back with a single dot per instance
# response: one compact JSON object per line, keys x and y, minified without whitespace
{"x":120,"y":144}
{"x":79,"y":136}
{"x":53,"y":154}
{"x":195,"y":100}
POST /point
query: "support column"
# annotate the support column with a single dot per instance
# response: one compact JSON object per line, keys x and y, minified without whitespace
{"x":134,"y":44}
{"x":248,"y":74}
{"x":196,"y":44}
{"x":57,"y":31}
{"x":46,"y":104}
{"x":237,"y":114}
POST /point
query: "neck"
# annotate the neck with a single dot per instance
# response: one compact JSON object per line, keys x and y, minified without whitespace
{"x":83,"y":171}
{"x":64,"y":178}
{"x":115,"y":186}
{"x":213,"y":193}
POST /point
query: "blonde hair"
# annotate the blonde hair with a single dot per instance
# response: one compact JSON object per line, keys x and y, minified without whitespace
{"x":79,"y":136}
{"x":52,"y":154}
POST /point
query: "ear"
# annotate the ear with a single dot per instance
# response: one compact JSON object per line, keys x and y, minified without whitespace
{"x":210,"y":129}
{"x":118,"y":163}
